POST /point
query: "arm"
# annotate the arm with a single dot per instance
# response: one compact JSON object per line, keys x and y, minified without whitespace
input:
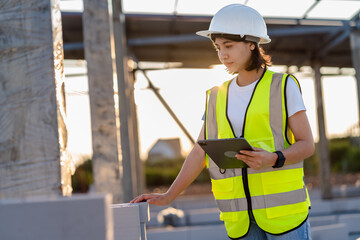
{"x":304,"y":145}
{"x":301,"y":149}
{"x":193,"y":165}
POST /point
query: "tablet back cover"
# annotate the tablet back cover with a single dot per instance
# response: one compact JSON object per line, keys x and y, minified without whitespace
{"x":223,"y":151}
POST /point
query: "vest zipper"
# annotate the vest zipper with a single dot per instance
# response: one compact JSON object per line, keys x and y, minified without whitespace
{"x":247,"y":192}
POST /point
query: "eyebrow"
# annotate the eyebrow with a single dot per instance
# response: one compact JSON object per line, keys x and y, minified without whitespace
{"x":225,"y":42}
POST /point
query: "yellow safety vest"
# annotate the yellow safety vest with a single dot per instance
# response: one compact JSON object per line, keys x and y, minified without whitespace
{"x":276,"y":198}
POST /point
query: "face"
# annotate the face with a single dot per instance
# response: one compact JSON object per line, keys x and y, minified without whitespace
{"x":234,"y":55}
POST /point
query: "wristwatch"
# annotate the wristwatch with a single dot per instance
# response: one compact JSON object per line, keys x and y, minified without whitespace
{"x":280,"y":160}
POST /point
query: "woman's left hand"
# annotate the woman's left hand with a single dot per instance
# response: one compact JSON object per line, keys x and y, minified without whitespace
{"x":257,"y":159}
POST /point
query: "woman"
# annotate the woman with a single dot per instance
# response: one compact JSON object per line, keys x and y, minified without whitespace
{"x":267,"y":200}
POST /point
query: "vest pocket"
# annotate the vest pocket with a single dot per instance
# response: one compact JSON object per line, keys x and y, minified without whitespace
{"x":263,"y":143}
{"x":229,"y":216}
{"x":284,"y":193}
{"x":223,"y":188}
{"x":282,"y":181}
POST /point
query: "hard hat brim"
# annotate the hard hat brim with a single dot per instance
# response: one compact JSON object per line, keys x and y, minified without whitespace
{"x":207,"y":34}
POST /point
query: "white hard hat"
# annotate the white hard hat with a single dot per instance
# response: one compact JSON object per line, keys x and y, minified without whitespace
{"x":238,"y":19}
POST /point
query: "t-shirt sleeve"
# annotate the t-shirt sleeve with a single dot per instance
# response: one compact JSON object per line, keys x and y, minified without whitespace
{"x":294,"y":100}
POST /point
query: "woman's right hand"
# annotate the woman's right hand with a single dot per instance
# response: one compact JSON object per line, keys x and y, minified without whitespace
{"x":154,"y":198}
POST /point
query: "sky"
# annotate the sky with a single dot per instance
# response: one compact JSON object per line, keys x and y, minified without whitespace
{"x":338,"y":91}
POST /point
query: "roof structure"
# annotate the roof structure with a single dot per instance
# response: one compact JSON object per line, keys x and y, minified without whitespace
{"x":171,"y":38}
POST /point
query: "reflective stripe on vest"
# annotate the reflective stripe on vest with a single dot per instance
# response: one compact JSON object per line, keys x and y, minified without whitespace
{"x":275,"y":113}
{"x":210,"y":115}
{"x":274,"y":193}
{"x":271,"y":200}
{"x":216,"y":174}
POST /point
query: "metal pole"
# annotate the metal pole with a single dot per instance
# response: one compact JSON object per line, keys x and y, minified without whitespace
{"x":323,"y":146}
{"x":139,"y":168}
{"x":128,"y":146}
{"x":355,"y":53}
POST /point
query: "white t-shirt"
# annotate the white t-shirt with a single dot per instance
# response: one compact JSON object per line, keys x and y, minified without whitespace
{"x":239,"y":98}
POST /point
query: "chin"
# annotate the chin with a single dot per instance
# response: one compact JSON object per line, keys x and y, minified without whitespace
{"x":231,"y":71}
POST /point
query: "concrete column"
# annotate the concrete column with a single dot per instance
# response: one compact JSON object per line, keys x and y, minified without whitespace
{"x":323,"y":145}
{"x":355,"y":50}
{"x":126,"y":115}
{"x":33,"y":135}
{"x":100,"y":57}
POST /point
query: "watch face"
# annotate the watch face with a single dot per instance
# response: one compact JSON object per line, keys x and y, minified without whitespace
{"x":280,"y":160}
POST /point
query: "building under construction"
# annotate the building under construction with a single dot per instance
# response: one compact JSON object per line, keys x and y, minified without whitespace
{"x":36,"y":37}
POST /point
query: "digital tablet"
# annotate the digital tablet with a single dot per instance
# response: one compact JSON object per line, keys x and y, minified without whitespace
{"x":223,"y":151}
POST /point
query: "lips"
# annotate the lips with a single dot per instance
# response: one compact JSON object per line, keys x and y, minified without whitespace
{"x":228,"y":64}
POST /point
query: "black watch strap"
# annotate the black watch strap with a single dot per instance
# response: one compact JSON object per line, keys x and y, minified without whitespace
{"x":280,"y":161}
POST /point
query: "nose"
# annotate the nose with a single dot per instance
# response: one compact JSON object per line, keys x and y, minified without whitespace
{"x":222,"y":55}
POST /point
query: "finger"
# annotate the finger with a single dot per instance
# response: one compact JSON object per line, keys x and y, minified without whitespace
{"x":141,"y":198}
{"x":135,"y":200}
{"x":240,"y":156}
{"x":243,"y":157}
{"x":248,"y":153}
{"x":132,"y":201}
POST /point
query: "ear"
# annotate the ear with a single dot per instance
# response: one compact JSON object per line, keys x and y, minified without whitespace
{"x":252,"y":46}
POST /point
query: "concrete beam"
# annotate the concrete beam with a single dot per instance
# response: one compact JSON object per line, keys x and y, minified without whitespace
{"x":211,"y":232}
{"x":203,"y":216}
{"x":330,"y":232}
{"x":352,"y":222}
{"x":323,"y":220}
{"x":130,"y":220}
{"x":79,"y":217}
{"x":335,"y":206}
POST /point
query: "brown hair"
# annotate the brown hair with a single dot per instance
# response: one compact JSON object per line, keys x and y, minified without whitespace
{"x":258,"y":57}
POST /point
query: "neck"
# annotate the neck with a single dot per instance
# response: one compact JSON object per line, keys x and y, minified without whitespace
{"x":245,"y":78}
